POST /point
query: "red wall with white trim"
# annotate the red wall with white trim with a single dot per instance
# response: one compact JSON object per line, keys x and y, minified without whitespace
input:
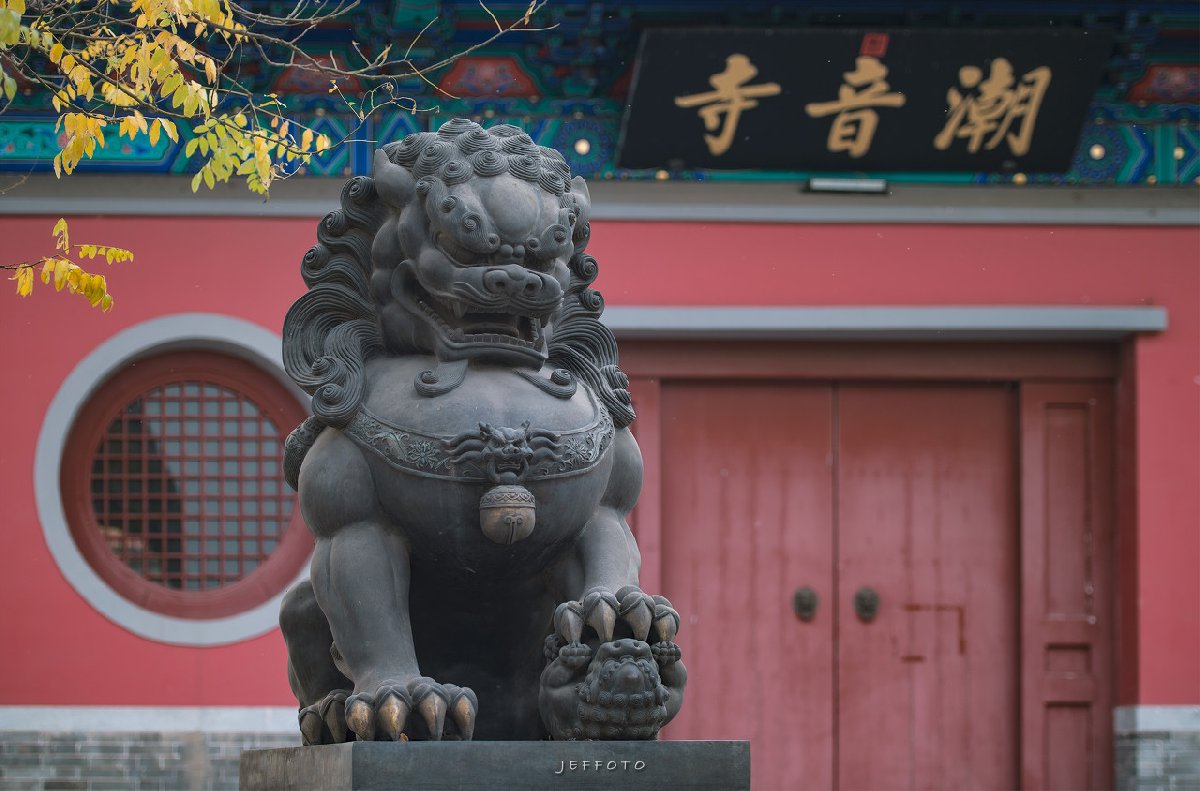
{"x":61,"y":651}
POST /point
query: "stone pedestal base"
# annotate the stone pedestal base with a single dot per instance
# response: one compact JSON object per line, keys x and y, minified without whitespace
{"x":529,"y":766}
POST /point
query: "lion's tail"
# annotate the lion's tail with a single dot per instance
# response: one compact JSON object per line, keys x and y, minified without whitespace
{"x":297,"y":446}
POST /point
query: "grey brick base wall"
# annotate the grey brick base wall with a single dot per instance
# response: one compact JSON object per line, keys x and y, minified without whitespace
{"x":93,"y":761}
{"x":1157,"y":748}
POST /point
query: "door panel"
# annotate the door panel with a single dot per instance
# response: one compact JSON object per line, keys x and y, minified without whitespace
{"x":747,"y":511}
{"x":926,"y":517}
{"x":1067,"y":619}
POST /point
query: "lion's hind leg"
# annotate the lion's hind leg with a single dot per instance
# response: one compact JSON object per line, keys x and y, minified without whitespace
{"x":318,"y":685}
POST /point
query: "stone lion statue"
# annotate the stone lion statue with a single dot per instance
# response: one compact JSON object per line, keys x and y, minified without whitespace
{"x":468,"y":468}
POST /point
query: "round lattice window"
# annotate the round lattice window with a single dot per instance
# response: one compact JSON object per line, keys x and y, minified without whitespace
{"x":173,"y":485}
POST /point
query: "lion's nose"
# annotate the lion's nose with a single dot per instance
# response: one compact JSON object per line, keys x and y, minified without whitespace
{"x":628,"y":678}
{"x":510,"y":254}
{"x":511,"y":281}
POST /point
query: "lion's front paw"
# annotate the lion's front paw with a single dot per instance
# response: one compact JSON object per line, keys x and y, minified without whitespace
{"x":628,"y":612}
{"x":411,"y":710}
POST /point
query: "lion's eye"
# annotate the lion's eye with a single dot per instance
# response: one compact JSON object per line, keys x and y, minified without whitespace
{"x":539,"y":264}
{"x":455,"y":251}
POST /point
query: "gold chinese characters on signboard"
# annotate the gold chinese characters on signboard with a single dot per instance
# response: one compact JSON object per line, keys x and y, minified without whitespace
{"x":983,"y":111}
{"x":853,"y":127}
{"x":721,"y":107}
{"x":997,"y":108}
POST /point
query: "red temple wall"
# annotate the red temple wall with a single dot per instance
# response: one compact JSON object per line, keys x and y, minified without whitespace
{"x":65,"y":652}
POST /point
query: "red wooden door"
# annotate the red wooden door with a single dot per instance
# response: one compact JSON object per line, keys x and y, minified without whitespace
{"x":910,"y":491}
{"x":927,"y":518}
{"x":747,"y":505}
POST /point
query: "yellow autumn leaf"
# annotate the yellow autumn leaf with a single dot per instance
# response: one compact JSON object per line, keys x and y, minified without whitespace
{"x":106,"y":302}
{"x":306,"y":139}
{"x":154,"y":133}
{"x":60,"y":232}
{"x":95,"y":289}
{"x":169,"y":127}
{"x":61,"y":268}
{"x":24,"y":278}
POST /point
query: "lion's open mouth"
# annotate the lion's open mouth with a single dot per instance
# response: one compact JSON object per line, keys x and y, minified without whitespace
{"x":467,"y":329}
{"x":475,"y":328}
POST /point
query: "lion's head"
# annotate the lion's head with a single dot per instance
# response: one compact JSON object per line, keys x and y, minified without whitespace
{"x":467,"y":243}
{"x":473,"y":259}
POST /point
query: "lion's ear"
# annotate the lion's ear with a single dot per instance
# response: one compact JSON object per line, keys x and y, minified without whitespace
{"x":583,"y":199}
{"x":394,"y":183}
{"x":583,"y":212}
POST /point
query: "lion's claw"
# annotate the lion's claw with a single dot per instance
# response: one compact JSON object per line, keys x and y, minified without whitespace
{"x":637,"y":610}
{"x":463,"y":708}
{"x":600,"y":608}
{"x":568,"y":621}
{"x":385,"y":713}
{"x":361,"y":719}
{"x":324,"y":722}
{"x":666,"y":620}
{"x":607,"y":614}
{"x":433,"y":709}
{"x":392,"y":713}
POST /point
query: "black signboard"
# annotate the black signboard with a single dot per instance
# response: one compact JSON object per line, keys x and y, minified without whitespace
{"x":861,"y":100}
